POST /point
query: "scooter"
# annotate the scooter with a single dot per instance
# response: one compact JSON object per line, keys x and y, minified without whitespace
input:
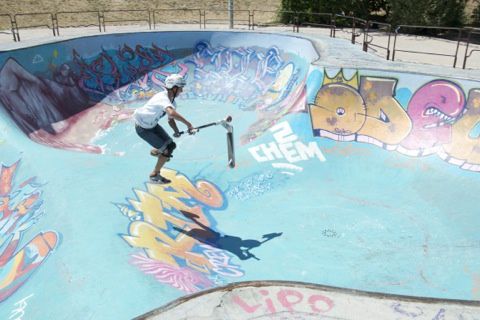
{"x":224,"y":123}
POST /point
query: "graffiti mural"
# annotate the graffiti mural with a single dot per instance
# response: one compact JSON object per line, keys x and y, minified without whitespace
{"x":20,"y":209}
{"x":237,"y":75}
{"x":438,"y":119}
{"x":173,"y":226}
{"x":126,"y":73}
{"x":463,"y":148}
{"x":254,"y":79}
{"x":91,"y":93}
{"x":72,"y":102}
{"x":173,"y":257}
{"x":433,"y":109}
{"x":287,"y":146}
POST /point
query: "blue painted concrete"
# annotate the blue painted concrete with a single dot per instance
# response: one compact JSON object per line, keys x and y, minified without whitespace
{"x":345,"y":214}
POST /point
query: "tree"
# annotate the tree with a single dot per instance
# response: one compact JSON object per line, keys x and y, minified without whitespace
{"x":358,"y":8}
{"x":475,"y":18}
{"x":411,"y":12}
{"x":446,"y":13}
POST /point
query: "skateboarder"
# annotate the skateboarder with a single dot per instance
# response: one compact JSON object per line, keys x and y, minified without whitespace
{"x":147,"y":127}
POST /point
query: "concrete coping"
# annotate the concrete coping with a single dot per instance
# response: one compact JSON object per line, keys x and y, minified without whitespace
{"x":298,"y":300}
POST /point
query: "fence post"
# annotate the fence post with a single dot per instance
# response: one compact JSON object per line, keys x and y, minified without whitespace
{"x":149,"y":20}
{"x":466,"y":49}
{"x":13,"y":22}
{"x":230,"y":13}
{"x":388,"y":43}
{"x":365,"y":36}
{"x":101,"y":21}
{"x":53,"y":24}
{"x":251,"y":19}
{"x":353,"y":31}
{"x":58,"y":25}
{"x":395,"y":43}
{"x":154,"y":19}
{"x":332,"y":25}
{"x":204,"y":15}
{"x":458,"y":46}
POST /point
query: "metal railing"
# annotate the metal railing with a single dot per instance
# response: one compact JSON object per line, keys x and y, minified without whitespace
{"x":58,"y":17}
{"x":368,"y":39}
{"x":317,"y":20}
{"x":106,"y":17}
{"x":16,"y":26}
{"x":356,"y":27}
{"x":245,"y":20}
{"x":157,"y":12}
{"x":275,"y":18}
{"x":468,"y":54}
{"x":454,"y":56}
{"x":354,"y":23}
{"x":12,"y":26}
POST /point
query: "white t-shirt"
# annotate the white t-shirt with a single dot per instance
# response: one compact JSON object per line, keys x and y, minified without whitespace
{"x":147,"y":116}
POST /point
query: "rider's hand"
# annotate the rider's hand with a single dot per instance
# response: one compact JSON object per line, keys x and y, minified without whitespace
{"x":192,"y":130}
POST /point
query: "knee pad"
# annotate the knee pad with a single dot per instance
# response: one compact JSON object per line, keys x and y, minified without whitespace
{"x":169,"y":149}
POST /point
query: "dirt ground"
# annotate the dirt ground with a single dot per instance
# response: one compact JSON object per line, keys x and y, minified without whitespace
{"x":215,"y":10}
{"x":22,"y":6}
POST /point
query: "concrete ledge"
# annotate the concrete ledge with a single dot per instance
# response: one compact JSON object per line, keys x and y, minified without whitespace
{"x":297,"y":300}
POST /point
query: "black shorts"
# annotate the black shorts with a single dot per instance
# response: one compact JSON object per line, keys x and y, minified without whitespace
{"x":156,"y":136}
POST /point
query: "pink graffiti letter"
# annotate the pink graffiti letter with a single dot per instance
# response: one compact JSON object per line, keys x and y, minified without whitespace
{"x":282,"y":297}
{"x":313,"y":303}
{"x":244,"y":305}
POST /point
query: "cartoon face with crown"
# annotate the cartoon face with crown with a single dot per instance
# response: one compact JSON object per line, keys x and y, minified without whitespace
{"x":338,"y":108}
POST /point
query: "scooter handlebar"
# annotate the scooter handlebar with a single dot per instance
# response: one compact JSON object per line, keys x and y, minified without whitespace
{"x":224,"y":123}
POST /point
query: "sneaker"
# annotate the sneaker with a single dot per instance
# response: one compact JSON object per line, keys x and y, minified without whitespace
{"x":159,"y":179}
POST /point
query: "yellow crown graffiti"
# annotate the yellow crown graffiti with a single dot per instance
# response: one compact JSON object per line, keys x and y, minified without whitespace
{"x":340,"y":78}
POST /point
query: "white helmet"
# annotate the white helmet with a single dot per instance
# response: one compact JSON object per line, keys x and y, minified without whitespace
{"x":175,"y":80}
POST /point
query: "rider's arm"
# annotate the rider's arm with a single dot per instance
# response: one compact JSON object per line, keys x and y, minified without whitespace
{"x":173,"y":125}
{"x":174,"y":115}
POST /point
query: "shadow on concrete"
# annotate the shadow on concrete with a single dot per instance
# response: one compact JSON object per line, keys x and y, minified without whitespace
{"x":236,"y":245}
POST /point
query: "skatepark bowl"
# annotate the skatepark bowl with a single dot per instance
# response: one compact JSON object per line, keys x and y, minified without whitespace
{"x":353,"y":195}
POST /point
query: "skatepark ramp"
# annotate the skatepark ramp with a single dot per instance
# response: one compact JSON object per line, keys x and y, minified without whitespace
{"x":292,"y":300}
{"x":353,"y":194}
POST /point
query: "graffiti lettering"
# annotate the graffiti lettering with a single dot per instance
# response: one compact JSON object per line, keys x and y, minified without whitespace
{"x":438,"y":118}
{"x":245,"y":72}
{"x":385,"y":117}
{"x":133,"y":71}
{"x":286,"y":146}
{"x":404,"y":310}
{"x":412,"y":311}
{"x":464,"y":149}
{"x":440,"y":315}
{"x":433,"y":109}
{"x":160,"y":246}
{"x":178,"y":259}
{"x":250,"y":78}
{"x":220,"y":262}
{"x":19,"y":312}
{"x":286,"y":299}
{"x":19,"y":210}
